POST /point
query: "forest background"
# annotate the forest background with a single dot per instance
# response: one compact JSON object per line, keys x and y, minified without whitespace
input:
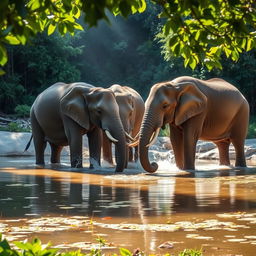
{"x":124,"y":52}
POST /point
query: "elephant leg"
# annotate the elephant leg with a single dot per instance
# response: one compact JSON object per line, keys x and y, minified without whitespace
{"x":75,"y":142}
{"x":95,"y":141}
{"x":107,"y":149}
{"x":55,"y":154}
{"x":176,"y":136}
{"x":39,"y":140}
{"x":136,"y":154}
{"x":191,"y":130}
{"x":223,"y":147}
{"x":238,"y":135}
{"x":127,"y":156}
{"x":130,"y":154}
{"x":239,"y":148}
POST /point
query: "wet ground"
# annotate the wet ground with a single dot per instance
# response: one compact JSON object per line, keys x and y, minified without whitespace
{"x":213,"y":208}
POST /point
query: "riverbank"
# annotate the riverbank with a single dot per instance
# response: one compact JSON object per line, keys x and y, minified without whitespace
{"x":14,"y":143}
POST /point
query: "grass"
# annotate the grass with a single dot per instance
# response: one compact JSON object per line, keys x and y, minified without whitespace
{"x":36,"y":248}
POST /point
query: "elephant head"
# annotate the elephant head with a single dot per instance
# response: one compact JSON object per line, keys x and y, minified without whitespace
{"x":168,"y":102}
{"x":125,"y":101}
{"x":94,"y":106}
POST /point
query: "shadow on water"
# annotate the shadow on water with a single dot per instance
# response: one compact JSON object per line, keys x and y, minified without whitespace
{"x":135,"y":197}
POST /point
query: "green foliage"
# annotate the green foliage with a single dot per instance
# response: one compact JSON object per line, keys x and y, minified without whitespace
{"x":21,"y":20}
{"x":252,"y":129}
{"x":199,"y":31}
{"x":37,"y":248}
{"x":14,"y":127}
{"x":125,"y":252}
{"x":204,"y":31}
{"x":190,"y":252}
{"x":22,"y":110}
{"x":11,"y":92}
{"x":32,"y":68}
{"x":165,"y":132}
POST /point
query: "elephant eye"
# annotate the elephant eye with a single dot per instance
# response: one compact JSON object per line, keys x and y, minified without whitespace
{"x":166,"y":105}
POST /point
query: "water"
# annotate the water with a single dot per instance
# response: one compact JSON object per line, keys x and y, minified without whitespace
{"x":213,"y":208}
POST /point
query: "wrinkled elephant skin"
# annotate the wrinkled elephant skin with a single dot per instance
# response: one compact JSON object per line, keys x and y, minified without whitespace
{"x":63,"y":113}
{"x":211,"y":110}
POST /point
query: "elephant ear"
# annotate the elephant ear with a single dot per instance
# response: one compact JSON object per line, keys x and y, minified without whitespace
{"x":191,"y":102}
{"x":73,"y":104}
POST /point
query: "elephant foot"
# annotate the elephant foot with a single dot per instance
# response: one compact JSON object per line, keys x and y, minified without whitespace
{"x":40,"y":163}
{"x":240,"y":164}
{"x":188,"y":168}
{"x":94,"y":164}
{"x":76,"y":165}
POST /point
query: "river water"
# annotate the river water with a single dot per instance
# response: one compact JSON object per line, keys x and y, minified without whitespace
{"x":213,"y":208}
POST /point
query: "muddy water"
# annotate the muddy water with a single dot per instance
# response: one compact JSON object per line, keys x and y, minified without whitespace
{"x":213,"y":208}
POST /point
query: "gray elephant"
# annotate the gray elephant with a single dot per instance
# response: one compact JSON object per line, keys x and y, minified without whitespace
{"x":131,"y":111}
{"x":211,"y":110}
{"x":63,"y":113}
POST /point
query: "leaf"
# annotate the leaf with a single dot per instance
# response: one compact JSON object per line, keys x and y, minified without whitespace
{"x":78,"y":26}
{"x":12,"y":40}
{"x":2,"y":72}
{"x":143,"y":6}
{"x":51,"y":29}
{"x":249,"y":44}
{"x":3,"y":55}
{"x":192,"y":62}
{"x":125,"y":252}
{"x":34,"y":4}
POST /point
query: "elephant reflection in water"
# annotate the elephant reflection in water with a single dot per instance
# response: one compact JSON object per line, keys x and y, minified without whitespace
{"x":211,"y":110}
{"x":63,"y":113}
{"x":131,"y":111}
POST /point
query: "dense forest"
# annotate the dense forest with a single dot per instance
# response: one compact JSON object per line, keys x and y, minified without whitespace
{"x":125,"y":52}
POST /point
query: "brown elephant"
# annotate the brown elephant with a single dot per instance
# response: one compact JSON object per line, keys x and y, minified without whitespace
{"x":131,"y":111}
{"x":211,"y":110}
{"x":63,"y":113}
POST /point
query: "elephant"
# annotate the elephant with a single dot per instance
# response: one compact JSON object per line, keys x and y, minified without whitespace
{"x":63,"y":113}
{"x":212,"y":110}
{"x":131,"y":111}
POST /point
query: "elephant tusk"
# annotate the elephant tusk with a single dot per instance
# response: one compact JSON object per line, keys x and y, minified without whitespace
{"x":129,"y":136}
{"x":110,"y":136}
{"x":153,"y":137}
{"x":134,"y":144}
{"x":137,"y":136}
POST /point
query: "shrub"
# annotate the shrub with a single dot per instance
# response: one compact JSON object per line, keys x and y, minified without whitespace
{"x":22,"y":110}
{"x":37,"y":248}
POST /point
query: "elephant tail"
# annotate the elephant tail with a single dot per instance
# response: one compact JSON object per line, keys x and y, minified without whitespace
{"x":28,"y":145}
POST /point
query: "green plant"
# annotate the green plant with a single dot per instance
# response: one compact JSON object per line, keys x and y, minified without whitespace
{"x":36,"y":248}
{"x":252,"y":128}
{"x":191,"y":252}
{"x":14,"y":127}
{"x":22,"y":110}
{"x":165,"y":132}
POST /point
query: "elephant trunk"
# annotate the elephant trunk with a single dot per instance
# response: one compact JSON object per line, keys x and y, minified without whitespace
{"x":118,"y":132}
{"x":147,"y":130}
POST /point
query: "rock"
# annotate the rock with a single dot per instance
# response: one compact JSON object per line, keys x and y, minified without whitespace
{"x":166,"y":245}
{"x":203,"y":146}
{"x":205,"y":150}
{"x":14,"y":143}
